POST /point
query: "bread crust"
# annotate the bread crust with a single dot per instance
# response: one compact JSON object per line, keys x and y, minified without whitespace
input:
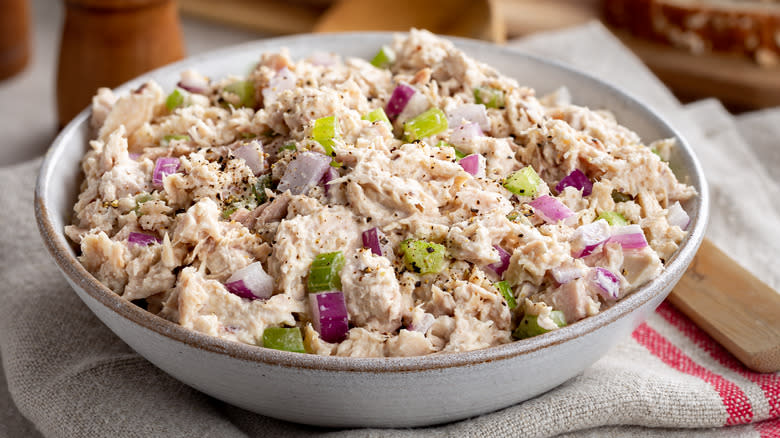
{"x":748,"y":27}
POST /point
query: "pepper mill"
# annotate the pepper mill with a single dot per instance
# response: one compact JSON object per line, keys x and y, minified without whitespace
{"x":108,"y":42}
{"x":14,"y":36}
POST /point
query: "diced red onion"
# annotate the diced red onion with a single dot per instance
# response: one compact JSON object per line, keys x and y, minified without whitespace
{"x":588,"y":237}
{"x":500,"y":266}
{"x":251,"y":282}
{"x":142,"y":239}
{"x":421,"y":322}
{"x":678,"y":216}
{"x":163,"y":167}
{"x":329,"y":176}
{"x":304,"y":172}
{"x":550,"y":209}
{"x":375,"y":240}
{"x":417,"y":104}
{"x":134,"y":156}
{"x":629,"y":237}
{"x":606,"y":283}
{"x":474,"y":164}
{"x":398,"y":100}
{"x":329,"y":315}
{"x":193,"y":82}
{"x":463,"y":134}
{"x":250,"y":152}
{"x":567,"y":272}
{"x":578,"y":180}
{"x":283,"y":81}
{"x":469,"y":113}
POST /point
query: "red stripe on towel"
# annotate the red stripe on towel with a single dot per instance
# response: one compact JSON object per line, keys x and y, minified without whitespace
{"x":769,"y":382}
{"x":768,"y":428}
{"x":736,"y":402}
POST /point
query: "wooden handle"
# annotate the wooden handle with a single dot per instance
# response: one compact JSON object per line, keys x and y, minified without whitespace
{"x":737,"y":309}
{"x":107,"y":43}
{"x":14,"y":36}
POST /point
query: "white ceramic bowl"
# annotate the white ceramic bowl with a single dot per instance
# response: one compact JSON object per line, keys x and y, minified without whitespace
{"x":339,"y":391}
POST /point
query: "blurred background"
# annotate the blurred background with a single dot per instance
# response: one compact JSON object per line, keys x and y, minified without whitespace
{"x":55,"y":53}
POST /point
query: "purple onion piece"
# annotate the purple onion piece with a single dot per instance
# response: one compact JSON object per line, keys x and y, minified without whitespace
{"x":607,"y":284}
{"x":469,"y":113}
{"x":329,"y":176}
{"x":193,"y":82}
{"x":251,"y":282}
{"x":566,"y":273}
{"x":398,"y":100}
{"x":163,"y":167}
{"x":250,"y":153}
{"x":282,"y":81}
{"x":677,"y":216}
{"x":550,"y":209}
{"x":142,"y":239}
{"x":578,"y":180}
{"x":304,"y":172}
{"x":474,"y":164}
{"x":421,"y":322}
{"x":464,"y":134}
{"x":629,"y":241}
{"x":588,"y":237}
{"x":373,"y":239}
{"x":501,"y":266}
{"x":329,"y":315}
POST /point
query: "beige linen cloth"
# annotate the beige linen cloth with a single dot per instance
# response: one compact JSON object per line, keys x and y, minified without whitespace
{"x":66,"y":375}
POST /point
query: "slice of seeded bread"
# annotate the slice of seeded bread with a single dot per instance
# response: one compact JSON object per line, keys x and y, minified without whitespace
{"x":751,"y":27}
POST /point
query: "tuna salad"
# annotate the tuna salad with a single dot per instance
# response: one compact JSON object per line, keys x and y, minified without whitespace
{"x":418,"y":202}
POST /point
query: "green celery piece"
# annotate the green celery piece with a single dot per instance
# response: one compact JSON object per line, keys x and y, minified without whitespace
{"x":174,"y":100}
{"x":432,"y":121}
{"x":524,"y":182}
{"x":378,"y":115}
{"x":458,"y":154}
{"x":166,"y":140}
{"x":613,"y":218}
{"x":283,"y":338}
{"x":506,"y":291}
{"x":490,"y":97}
{"x":258,"y":189}
{"x":326,"y":130}
{"x":139,"y":200}
{"x":384,"y":58}
{"x":288,"y":147}
{"x":423,"y":257}
{"x":229,"y":211}
{"x":324,"y":273}
{"x":529,"y":327}
{"x":248,"y":135}
{"x":621,"y":197}
{"x":245,"y":90}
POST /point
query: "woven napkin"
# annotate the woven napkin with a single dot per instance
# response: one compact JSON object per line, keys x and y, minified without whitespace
{"x":66,"y":375}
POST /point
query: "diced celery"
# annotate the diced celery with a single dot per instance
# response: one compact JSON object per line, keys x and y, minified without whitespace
{"x":426,"y":124}
{"x":228,"y":211}
{"x":378,"y":115}
{"x":248,"y":135}
{"x":166,"y":140}
{"x":490,"y":97}
{"x":288,"y":147}
{"x":621,"y":197}
{"x":283,"y":338}
{"x":326,"y":130}
{"x":384,"y":58}
{"x":245,"y":90}
{"x":139,"y":200}
{"x":324,"y":273}
{"x":174,"y":100}
{"x":613,"y":218}
{"x":524,"y":182}
{"x":506,"y":291}
{"x":529,"y":325}
{"x":258,"y":190}
{"x":458,"y":154}
{"x":423,"y":257}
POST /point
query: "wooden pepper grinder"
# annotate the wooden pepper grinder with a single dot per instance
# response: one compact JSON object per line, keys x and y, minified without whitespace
{"x":14,"y":36}
{"x":108,"y":42}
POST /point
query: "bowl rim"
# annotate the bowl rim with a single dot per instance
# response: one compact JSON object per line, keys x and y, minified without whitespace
{"x":77,"y":275}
